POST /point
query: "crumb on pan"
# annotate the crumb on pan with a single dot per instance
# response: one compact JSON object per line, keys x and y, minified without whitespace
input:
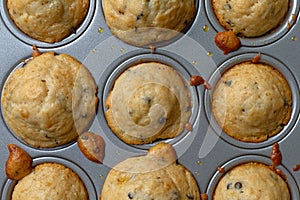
{"x":296,"y":168}
{"x":198,"y":80}
{"x":276,"y":156}
{"x":227,"y":41}
{"x":18,"y":164}
{"x":221,"y":169}
{"x":35,"y":51}
{"x":92,"y":146}
{"x":256,"y":58}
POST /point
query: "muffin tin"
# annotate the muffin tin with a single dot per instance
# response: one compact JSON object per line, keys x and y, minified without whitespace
{"x":203,"y":149}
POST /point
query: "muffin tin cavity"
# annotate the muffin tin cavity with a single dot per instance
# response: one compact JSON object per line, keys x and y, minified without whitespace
{"x":184,"y":73}
{"x":226,"y":167}
{"x":288,"y":77}
{"x":42,"y":95}
{"x":270,"y":37}
{"x":144,"y":23}
{"x":76,"y":33}
{"x":10,"y":184}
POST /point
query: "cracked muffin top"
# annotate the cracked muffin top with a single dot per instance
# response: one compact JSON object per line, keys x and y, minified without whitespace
{"x":48,"y":20}
{"x":252,"y":181}
{"x":148,"y":102}
{"x":50,"y":181}
{"x":250,"y":18}
{"x":50,"y":100}
{"x":144,"y":22}
{"x":156,"y":175}
{"x":252,"y":102}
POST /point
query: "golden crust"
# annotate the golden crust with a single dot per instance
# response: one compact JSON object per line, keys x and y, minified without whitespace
{"x":92,"y":146}
{"x":50,"y":181}
{"x":250,"y":18}
{"x":143,"y":22}
{"x":165,"y":179}
{"x":38,"y":100}
{"x":252,"y":181}
{"x":18,"y":164}
{"x":252,"y":102}
{"x":227,"y":41}
{"x":149,"y":101}
{"x":48,"y":21}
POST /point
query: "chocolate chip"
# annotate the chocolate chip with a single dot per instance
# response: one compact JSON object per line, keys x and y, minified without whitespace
{"x":238,"y":185}
{"x":147,"y":99}
{"x":130,"y":195}
{"x":229,"y":186}
{"x":162,"y":120}
{"x":230,"y":23}
{"x":84,"y":137}
{"x":228,"y":83}
{"x":175,"y":196}
{"x":73,"y":30}
{"x":139,"y":16}
{"x":96,"y":150}
{"x":227,"y":6}
{"x":83,"y":115}
{"x":86,"y":90}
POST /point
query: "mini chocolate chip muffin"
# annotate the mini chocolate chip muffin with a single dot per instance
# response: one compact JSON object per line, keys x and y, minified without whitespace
{"x":149,"y":101}
{"x":50,"y":181}
{"x":250,"y":18}
{"x":153,"y":176}
{"x":144,"y":22}
{"x":50,"y":100}
{"x":253,"y":181}
{"x":48,"y":21}
{"x":252,"y":102}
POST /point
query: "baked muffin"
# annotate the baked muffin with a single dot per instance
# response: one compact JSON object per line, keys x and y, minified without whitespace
{"x":252,"y":102}
{"x":144,"y":22}
{"x":50,"y":181}
{"x":48,"y":21}
{"x":253,"y":181}
{"x":250,"y":18}
{"x":153,"y":176}
{"x":149,"y":101}
{"x":50,"y":100}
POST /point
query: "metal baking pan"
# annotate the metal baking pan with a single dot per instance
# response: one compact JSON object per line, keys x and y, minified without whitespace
{"x":203,"y":149}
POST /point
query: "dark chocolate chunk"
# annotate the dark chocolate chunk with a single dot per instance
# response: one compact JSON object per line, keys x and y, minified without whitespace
{"x":229,"y":186}
{"x":227,"y":6}
{"x":130,"y":195}
{"x":228,"y":83}
{"x":238,"y":185}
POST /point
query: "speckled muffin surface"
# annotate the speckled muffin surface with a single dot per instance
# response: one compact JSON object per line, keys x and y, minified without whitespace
{"x":50,"y":100}
{"x":48,"y":21}
{"x":153,"y":176}
{"x":253,"y":181}
{"x":144,"y":22}
{"x":50,"y":181}
{"x":250,"y":18}
{"x":252,"y":102}
{"x":149,"y":101}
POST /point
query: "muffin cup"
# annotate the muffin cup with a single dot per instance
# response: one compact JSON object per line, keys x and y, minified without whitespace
{"x":83,"y":175}
{"x":30,"y":41}
{"x":265,"y":39}
{"x":283,"y":70}
{"x":294,"y":191}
